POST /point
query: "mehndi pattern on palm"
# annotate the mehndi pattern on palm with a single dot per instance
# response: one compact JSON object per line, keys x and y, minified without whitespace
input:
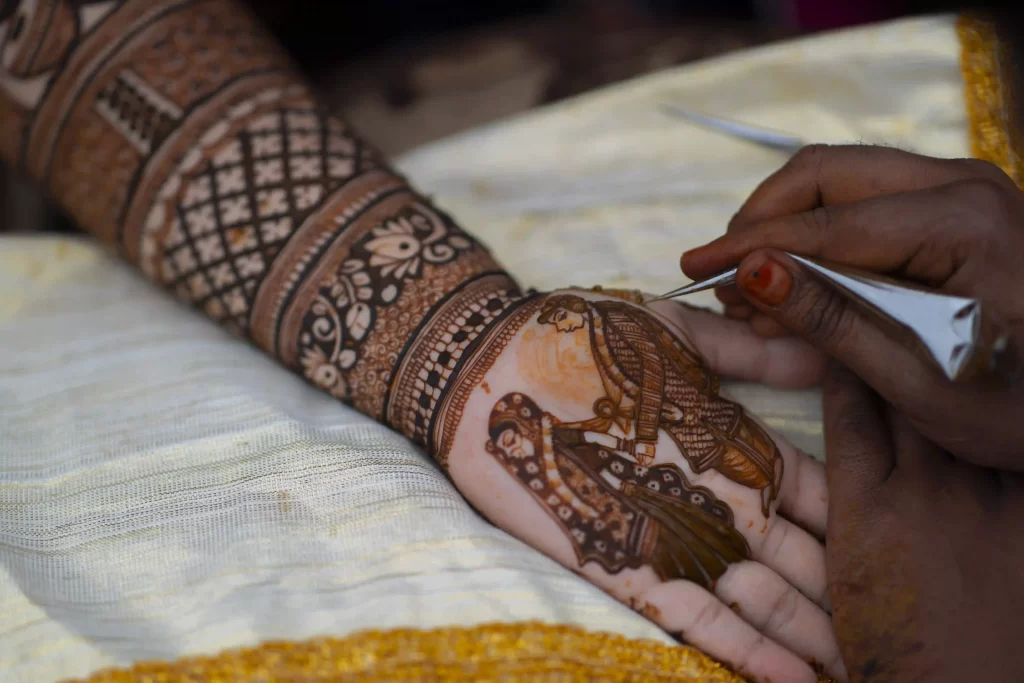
{"x":653,"y":382}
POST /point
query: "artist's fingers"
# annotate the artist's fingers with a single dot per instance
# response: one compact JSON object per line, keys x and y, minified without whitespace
{"x":783,"y":290}
{"x":859,"y":455}
{"x":973,"y":420}
{"x":708,"y":624}
{"x":763,"y":326}
{"x":775,"y":608}
{"x":740,"y":312}
{"x":822,"y":175}
{"x":915,"y":454}
{"x":918,"y":234}
{"x":730,"y":296}
{"x":736,"y":307}
{"x":734,"y":350}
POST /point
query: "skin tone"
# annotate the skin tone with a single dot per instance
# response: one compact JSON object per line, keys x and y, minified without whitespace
{"x":779,"y":606}
{"x":924,"y":475}
{"x":226,"y":182}
{"x":900,"y":214}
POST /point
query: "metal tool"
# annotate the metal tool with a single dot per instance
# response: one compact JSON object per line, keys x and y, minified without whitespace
{"x":765,"y":137}
{"x":721,"y":280}
{"x":949,"y":331}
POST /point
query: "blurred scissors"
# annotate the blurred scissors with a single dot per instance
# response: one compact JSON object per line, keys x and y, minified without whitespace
{"x":765,"y":137}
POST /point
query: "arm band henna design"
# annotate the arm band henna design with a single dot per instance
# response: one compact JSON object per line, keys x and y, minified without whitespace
{"x":178,"y":131}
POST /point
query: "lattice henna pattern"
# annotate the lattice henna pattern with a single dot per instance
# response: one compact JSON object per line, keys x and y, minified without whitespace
{"x":178,"y":130}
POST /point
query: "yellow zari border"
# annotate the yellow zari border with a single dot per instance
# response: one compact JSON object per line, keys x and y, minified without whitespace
{"x":510,"y":653}
{"x":983,"y":63}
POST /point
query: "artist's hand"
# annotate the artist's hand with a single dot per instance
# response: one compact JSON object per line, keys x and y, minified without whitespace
{"x":719,"y":545}
{"x":924,"y":549}
{"x":953,"y":225}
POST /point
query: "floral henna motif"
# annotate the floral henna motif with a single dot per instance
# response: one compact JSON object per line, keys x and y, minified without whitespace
{"x":616,"y":513}
{"x":178,"y":131}
{"x":344,"y":310}
{"x":662,"y":385}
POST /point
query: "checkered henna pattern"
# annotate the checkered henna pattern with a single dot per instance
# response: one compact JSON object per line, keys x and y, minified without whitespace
{"x":178,"y":132}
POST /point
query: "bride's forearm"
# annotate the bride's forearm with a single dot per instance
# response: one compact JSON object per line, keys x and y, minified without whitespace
{"x":179,"y":132}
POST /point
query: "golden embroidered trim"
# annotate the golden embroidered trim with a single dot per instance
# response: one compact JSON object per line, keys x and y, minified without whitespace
{"x":505,"y":652}
{"x":986,"y":93}
{"x":510,"y":653}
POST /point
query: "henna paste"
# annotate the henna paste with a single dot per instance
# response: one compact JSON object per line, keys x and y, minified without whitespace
{"x":653,"y":382}
{"x":178,"y":131}
{"x":616,"y":512}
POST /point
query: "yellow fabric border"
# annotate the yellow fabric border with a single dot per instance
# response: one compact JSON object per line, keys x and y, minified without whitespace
{"x":986,"y":93}
{"x":528,"y":651}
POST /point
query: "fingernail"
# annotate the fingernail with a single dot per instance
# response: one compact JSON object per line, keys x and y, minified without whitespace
{"x":770,"y":282}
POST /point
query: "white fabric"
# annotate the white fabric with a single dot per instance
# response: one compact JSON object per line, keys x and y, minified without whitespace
{"x":167,"y":490}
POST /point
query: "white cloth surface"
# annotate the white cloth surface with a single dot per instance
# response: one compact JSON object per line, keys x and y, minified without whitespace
{"x":166,"y":490}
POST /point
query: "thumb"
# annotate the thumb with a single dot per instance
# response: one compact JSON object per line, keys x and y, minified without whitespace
{"x":784,"y":291}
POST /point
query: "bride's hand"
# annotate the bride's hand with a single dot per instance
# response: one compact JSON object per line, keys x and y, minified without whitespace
{"x":591,"y":428}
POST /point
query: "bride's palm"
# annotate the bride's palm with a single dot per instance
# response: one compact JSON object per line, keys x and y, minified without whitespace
{"x":592,"y":428}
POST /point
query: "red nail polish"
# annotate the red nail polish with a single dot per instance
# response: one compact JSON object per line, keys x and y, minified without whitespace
{"x":770,"y":283}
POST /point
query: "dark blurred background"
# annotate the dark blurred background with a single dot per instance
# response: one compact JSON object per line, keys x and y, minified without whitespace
{"x":407,"y":72}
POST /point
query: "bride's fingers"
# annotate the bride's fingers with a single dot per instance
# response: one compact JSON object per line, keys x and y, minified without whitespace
{"x":795,"y":555}
{"x":706,"y":623}
{"x":775,"y":608}
{"x":733,"y":349}
{"x":775,"y":541}
{"x":804,"y":494}
{"x":763,"y":326}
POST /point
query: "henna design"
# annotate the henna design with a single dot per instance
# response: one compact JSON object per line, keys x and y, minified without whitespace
{"x":658,"y":383}
{"x":423,"y":373}
{"x":475,"y":364}
{"x":615,"y":512}
{"x":401,"y":249}
{"x":178,"y":131}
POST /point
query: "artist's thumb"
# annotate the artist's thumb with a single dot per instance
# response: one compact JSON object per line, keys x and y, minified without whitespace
{"x":785,"y":291}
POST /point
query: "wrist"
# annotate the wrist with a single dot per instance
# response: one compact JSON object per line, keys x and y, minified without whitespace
{"x":448,"y":354}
